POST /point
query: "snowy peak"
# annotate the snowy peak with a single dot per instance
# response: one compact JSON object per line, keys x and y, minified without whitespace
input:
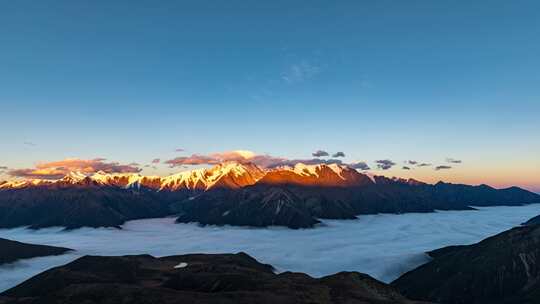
{"x":226,"y":175}
{"x":19,"y":184}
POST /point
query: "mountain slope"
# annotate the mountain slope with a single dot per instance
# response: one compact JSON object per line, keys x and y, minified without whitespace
{"x":11,"y":251}
{"x":194,"y":278}
{"x":70,"y":207}
{"x":272,"y":206}
{"x":504,"y":268}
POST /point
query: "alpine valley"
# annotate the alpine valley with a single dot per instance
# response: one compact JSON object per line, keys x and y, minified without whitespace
{"x":235,"y":193}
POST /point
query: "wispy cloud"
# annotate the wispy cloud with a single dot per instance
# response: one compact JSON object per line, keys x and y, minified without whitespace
{"x":424,"y":165}
{"x":411,"y":162}
{"x":58,"y":169}
{"x":385,"y":164}
{"x":300,"y":72}
{"x":28,"y":143}
{"x":406,"y":168}
{"x":156,"y":161}
{"x":179,"y":150}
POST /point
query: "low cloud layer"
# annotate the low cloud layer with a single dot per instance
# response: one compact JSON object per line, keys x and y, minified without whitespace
{"x":385,"y":164}
{"x":58,"y":169}
{"x":372,"y":245}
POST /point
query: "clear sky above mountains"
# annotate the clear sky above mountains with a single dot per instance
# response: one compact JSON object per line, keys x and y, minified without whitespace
{"x":132,"y":81}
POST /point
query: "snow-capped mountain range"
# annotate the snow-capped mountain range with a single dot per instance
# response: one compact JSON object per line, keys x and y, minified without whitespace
{"x":231,"y":175}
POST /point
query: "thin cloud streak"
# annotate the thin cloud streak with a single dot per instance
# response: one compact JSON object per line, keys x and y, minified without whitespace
{"x":442,"y":168}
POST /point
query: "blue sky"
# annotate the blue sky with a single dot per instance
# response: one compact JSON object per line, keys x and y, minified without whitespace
{"x":134,"y":80}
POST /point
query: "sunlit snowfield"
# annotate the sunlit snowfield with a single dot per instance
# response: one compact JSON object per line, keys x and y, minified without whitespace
{"x":383,"y":246}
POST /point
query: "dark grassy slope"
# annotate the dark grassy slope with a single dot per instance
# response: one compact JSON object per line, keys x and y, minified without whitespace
{"x":533,"y":221}
{"x":11,"y":251}
{"x":504,"y":268}
{"x":206,"y":278}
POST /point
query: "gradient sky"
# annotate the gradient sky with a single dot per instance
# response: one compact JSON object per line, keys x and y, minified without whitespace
{"x":131,"y":81}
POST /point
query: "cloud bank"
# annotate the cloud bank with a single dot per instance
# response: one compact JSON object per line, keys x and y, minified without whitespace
{"x":58,"y":169}
{"x":262,"y":160}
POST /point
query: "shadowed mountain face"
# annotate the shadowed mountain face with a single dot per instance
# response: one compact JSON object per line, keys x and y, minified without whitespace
{"x":11,"y":251}
{"x":74,"y":207}
{"x":235,"y":194}
{"x":300,"y":206}
{"x":504,"y":268}
{"x":195,"y":278}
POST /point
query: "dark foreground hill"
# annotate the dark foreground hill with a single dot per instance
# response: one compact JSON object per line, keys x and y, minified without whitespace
{"x":501,"y":269}
{"x":11,"y":251}
{"x":195,"y":278}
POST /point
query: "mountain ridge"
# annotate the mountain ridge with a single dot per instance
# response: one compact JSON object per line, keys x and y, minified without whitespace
{"x":235,"y":193}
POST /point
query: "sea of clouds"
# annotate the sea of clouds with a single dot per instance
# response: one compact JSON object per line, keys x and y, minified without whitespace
{"x":384,"y":246}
